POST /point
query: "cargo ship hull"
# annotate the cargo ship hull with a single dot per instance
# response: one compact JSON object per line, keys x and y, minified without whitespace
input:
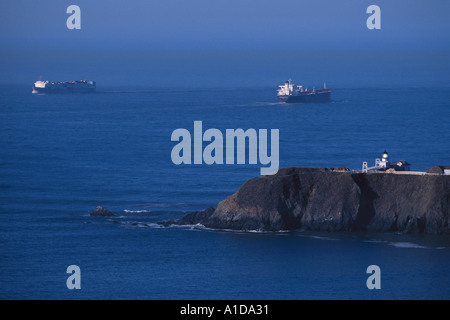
{"x":291,"y":93}
{"x":62,"y":90}
{"x":317,"y":96}
{"x":72,"y":86}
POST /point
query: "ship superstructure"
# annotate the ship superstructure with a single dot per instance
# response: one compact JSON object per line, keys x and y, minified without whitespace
{"x":291,"y":93}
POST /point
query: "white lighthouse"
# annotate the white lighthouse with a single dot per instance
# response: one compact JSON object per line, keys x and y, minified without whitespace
{"x":384,"y":163}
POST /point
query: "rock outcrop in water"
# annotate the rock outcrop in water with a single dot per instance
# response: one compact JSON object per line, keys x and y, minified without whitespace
{"x":333,"y":200}
{"x":101,"y":212}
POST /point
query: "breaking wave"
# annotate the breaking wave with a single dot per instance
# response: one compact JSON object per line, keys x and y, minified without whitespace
{"x":404,"y":244}
{"x":136,"y":211}
{"x":411,"y":245}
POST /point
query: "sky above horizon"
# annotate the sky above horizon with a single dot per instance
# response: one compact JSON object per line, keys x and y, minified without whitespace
{"x":202,"y":39}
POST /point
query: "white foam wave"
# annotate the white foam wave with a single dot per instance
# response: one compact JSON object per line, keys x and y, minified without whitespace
{"x":403,"y":244}
{"x":322,"y":238}
{"x":407,"y":245}
{"x":136,"y":211}
{"x":375,"y":241}
{"x":200,"y":226}
{"x":188,"y":226}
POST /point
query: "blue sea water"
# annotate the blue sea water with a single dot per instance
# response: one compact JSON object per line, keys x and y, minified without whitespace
{"x":63,"y":155}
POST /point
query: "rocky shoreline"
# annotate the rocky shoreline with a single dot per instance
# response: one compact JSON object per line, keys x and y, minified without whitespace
{"x":324,"y":199}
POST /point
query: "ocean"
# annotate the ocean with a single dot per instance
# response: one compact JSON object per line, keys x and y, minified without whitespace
{"x":61,"y":156}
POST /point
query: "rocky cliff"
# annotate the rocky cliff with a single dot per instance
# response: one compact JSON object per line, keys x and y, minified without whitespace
{"x":333,"y":200}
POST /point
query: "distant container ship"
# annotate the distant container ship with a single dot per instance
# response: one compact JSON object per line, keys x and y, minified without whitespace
{"x":291,"y":93}
{"x":71,"y":86}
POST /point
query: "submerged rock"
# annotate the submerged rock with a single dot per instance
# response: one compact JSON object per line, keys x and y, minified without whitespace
{"x":333,"y":200}
{"x":101,"y":212}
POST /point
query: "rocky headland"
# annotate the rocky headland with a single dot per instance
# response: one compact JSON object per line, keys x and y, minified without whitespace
{"x":323,"y":199}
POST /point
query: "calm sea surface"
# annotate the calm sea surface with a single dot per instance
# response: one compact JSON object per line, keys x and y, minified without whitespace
{"x":63,"y":155}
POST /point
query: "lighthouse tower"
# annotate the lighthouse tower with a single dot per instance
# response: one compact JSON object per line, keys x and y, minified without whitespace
{"x":384,"y":163}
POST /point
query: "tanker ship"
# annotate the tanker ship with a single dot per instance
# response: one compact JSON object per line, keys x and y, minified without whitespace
{"x":291,"y":93}
{"x":71,"y":86}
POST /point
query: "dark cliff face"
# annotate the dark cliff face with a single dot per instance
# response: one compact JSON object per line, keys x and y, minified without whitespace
{"x":330,"y":200}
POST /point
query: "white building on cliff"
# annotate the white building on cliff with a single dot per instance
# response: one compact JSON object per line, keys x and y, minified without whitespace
{"x":384,"y":164}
